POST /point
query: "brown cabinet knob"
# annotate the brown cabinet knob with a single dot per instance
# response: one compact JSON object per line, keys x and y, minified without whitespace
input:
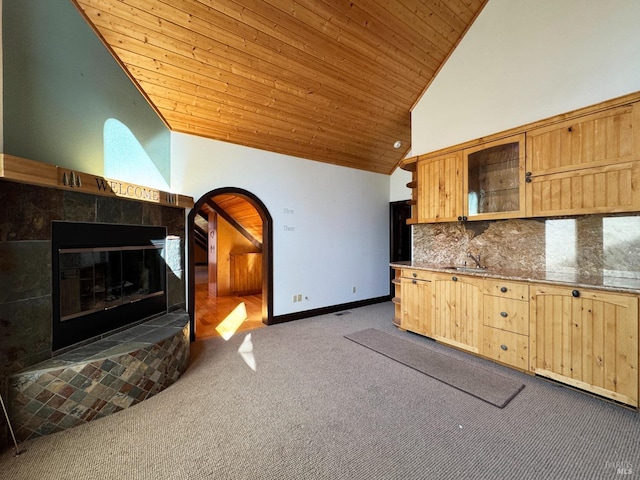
{"x":503,"y":314}
{"x":504,"y":347}
{"x":503,"y":289}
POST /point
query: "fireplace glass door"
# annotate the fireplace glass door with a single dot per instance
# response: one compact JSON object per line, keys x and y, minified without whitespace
{"x":95,"y":279}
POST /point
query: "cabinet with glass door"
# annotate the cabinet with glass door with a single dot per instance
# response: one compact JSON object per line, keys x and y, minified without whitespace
{"x":494,"y":179}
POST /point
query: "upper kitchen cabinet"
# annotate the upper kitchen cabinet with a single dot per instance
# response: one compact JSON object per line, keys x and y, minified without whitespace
{"x":478,"y":183}
{"x":587,"y":164}
{"x":494,"y":175}
{"x":440,"y":184}
{"x":581,"y":162}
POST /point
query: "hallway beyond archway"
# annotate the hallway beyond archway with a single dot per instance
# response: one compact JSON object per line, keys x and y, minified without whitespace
{"x":229,"y":226}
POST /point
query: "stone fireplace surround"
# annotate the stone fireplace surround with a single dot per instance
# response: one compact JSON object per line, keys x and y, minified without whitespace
{"x":26,"y":298}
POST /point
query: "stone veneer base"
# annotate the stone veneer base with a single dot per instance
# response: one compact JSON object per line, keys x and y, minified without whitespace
{"x":101,"y":378}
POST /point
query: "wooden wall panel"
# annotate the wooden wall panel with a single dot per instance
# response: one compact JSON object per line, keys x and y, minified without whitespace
{"x":246,"y":273}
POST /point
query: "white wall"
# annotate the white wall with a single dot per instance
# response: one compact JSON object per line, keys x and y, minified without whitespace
{"x":525,"y":60}
{"x":340,"y":218}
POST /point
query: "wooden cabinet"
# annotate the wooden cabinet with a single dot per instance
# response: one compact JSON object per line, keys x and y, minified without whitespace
{"x":494,"y":179}
{"x":416,"y":301}
{"x":582,"y":162}
{"x":505,"y":330}
{"x":586,"y":338}
{"x":581,"y":337}
{"x":440,"y":188}
{"x":457,"y":310}
{"x":588,"y":164}
{"x":478,"y":183}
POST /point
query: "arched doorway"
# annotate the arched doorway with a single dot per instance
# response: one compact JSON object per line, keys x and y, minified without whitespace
{"x":207,"y":203}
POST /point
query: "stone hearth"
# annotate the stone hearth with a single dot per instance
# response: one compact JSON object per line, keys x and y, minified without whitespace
{"x":100,"y":378}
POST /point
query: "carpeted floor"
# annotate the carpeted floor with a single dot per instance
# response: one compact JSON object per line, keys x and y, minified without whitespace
{"x":319,"y":406}
{"x":475,"y":380}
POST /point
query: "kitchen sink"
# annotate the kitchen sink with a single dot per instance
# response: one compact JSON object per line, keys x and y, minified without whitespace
{"x":467,"y":269}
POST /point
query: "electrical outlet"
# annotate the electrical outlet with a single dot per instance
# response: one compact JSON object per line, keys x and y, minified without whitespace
{"x":295,"y":298}
{"x":299,"y":297}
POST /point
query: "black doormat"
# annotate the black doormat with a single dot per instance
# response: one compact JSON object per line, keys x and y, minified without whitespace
{"x":477,"y":381}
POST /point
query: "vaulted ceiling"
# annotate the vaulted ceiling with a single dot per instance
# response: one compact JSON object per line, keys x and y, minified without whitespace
{"x":326,"y":80}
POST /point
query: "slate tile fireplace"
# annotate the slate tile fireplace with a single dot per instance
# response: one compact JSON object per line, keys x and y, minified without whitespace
{"x":30,"y":267}
{"x":105,"y":276}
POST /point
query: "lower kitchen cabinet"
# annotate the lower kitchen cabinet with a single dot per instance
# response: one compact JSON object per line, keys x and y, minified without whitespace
{"x":587,"y":339}
{"x":505,"y":330}
{"x":506,"y":347}
{"x":416,"y":302}
{"x":457,"y":310}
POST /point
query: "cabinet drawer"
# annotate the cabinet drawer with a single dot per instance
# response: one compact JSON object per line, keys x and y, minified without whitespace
{"x":506,"y":314}
{"x":416,"y":274}
{"x":506,"y":289}
{"x":506,"y":347}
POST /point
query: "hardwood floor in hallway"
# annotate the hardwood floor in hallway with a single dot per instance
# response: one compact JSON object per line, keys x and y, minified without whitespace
{"x":223,"y":316}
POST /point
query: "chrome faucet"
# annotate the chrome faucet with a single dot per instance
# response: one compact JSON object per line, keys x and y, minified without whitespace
{"x":475,"y":259}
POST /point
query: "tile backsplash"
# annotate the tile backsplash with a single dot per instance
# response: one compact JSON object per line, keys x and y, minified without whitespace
{"x":590,"y":244}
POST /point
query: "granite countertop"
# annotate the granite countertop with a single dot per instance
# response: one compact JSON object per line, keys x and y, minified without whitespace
{"x":567,"y":278}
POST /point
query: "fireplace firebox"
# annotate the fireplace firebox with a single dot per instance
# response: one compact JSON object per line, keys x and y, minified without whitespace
{"x":105,"y":276}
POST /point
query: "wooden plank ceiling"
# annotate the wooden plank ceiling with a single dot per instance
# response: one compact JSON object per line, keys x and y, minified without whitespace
{"x":326,"y":80}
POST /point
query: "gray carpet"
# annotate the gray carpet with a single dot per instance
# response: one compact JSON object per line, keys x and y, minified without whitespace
{"x":316,"y":407}
{"x":484,"y":384}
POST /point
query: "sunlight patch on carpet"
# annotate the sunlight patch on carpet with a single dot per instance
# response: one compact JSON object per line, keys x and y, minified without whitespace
{"x":246,"y":352}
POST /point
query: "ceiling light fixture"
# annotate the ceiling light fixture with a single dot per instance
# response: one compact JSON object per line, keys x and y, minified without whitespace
{"x":398,"y":144}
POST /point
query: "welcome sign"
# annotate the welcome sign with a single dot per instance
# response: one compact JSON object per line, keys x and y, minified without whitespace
{"x":37,"y":173}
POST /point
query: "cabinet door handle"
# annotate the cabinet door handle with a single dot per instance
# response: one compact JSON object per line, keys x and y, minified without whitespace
{"x":503,"y":289}
{"x":415,"y":275}
{"x":503,"y":314}
{"x":504,"y":347}
{"x":414,"y":282}
{"x":455,"y":279}
{"x":575,"y":293}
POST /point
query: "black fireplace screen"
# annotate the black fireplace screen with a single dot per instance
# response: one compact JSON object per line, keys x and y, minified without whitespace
{"x":96,"y":279}
{"x":105,"y":277}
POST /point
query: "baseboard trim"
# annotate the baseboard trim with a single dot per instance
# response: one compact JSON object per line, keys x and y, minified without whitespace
{"x":325,"y":310}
